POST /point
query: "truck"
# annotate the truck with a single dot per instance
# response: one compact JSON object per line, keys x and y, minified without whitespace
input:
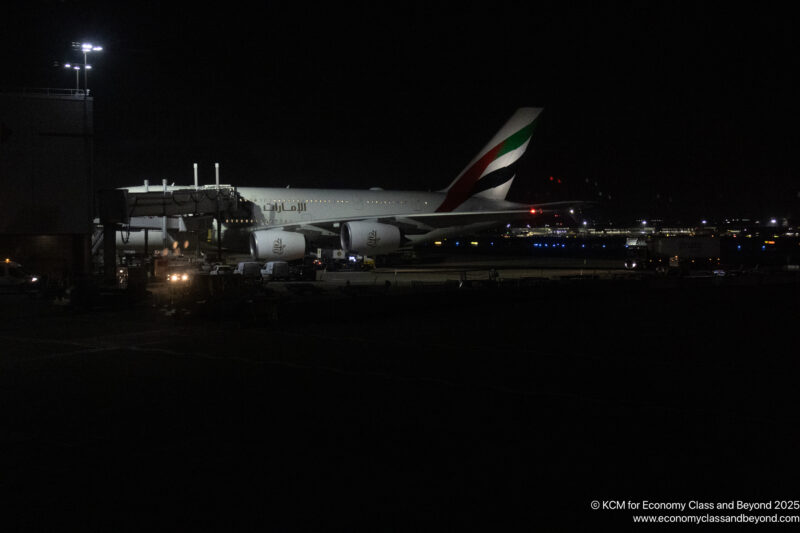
{"x":673,"y":254}
{"x":275,"y":270}
{"x":248,"y":270}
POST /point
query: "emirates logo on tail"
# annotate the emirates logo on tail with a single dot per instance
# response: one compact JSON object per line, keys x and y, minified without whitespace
{"x":278,"y":247}
{"x":373,"y":239}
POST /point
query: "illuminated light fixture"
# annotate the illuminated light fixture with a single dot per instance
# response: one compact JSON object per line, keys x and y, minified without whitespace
{"x":86,"y":48}
{"x":533,"y":211}
{"x":77,"y":69}
{"x":474,"y":243}
{"x":437,"y":243}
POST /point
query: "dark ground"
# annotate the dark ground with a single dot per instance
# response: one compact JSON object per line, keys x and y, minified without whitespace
{"x":476,"y":409}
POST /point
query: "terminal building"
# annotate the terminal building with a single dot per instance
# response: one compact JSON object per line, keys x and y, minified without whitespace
{"x":46,"y":179}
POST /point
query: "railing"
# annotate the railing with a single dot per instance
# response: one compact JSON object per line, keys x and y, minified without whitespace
{"x":28,"y":91}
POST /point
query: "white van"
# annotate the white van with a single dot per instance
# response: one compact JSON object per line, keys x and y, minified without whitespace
{"x":275,"y":270}
{"x":248,"y":269}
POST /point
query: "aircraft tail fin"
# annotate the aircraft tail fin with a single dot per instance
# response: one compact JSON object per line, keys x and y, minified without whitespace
{"x":491,"y":172}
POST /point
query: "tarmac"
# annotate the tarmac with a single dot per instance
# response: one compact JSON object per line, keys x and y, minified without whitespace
{"x":485,"y":406}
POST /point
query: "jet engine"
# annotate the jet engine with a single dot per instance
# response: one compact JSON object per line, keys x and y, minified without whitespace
{"x":370,"y":237}
{"x":277,"y":245}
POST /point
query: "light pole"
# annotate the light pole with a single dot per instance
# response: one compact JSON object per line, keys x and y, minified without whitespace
{"x":77,"y":69}
{"x":86,"y":48}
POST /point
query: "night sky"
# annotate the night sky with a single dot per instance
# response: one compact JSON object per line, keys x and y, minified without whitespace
{"x":675,"y":110}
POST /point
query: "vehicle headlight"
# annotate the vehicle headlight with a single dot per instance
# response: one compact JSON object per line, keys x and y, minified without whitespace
{"x":184,"y":277}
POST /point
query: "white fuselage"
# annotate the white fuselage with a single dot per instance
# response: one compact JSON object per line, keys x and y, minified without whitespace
{"x":279,"y":207}
{"x":275,"y":207}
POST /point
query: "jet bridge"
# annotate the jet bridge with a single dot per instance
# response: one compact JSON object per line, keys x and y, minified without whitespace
{"x":170,"y":201}
{"x":163,"y":209}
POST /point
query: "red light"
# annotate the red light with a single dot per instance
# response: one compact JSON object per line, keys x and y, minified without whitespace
{"x":533,"y":211}
{"x":559,"y":181}
{"x":551,"y":178}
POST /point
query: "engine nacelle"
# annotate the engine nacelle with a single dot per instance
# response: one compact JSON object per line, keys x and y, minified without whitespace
{"x":277,"y":245}
{"x":370,"y":237}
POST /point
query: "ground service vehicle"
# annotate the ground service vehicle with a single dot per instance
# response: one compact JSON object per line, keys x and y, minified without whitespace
{"x":673,"y":254}
{"x":248,"y":269}
{"x":13,"y":278}
{"x":274,"y":270}
{"x":221,"y":270}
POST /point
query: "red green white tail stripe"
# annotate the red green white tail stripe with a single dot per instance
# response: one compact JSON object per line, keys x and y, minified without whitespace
{"x":493,"y":162}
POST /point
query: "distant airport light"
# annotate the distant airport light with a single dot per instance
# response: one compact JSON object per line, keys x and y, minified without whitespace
{"x":533,"y":211}
{"x":644,"y":222}
{"x":704,"y":221}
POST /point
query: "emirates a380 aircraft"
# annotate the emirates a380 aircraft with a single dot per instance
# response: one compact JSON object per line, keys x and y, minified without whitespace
{"x":285,"y":222}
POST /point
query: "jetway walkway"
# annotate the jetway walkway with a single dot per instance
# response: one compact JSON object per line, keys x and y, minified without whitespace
{"x":165,"y":211}
{"x":171,"y":201}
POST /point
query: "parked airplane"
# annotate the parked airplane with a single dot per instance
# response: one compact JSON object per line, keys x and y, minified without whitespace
{"x":282,"y":222}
